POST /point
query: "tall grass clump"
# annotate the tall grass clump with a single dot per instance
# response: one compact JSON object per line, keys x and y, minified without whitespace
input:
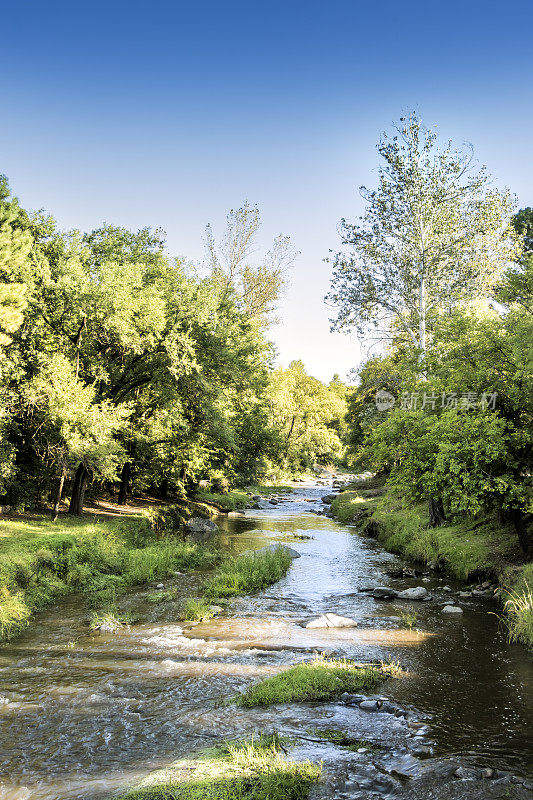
{"x":196,"y":610}
{"x":14,"y":613}
{"x":519,"y":608}
{"x":248,"y":573}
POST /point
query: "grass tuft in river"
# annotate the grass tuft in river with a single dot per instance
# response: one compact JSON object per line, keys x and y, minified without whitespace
{"x":248,"y":573}
{"x":318,"y":680}
{"x":253,"y":769}
{"x":196,"y":610}
{"x":341,"y":739}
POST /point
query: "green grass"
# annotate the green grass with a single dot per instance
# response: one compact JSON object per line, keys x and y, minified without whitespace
{"x":318,"y":680}
{"x":196,"y":610}
{"x":462,"y":547}
{"x":110,"y":618}
{"x":351,"y":505}
{"x":14,"y":613}
{"x":408,"y":619}
{"x":248,"y":573}
{"x":224,"y":502}
{"x":342,"y":739}
{"x":247,"y":770}
{"x":518,"y":606}
{"x":162,"y":595}
{"x":41,"y":561}
{"x":270,"y":488}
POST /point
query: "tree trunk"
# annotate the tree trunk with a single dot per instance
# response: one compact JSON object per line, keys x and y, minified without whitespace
{"x":523,"y":525}
{"x":78,"y":491}
{"x":422,"y":314}
{"x":436,"y":512}
{"x":163,"y":489}
{"x":59,"y":494}
{"x":124,"y":483}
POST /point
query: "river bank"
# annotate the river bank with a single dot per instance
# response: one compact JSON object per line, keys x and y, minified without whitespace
{"x":103,"y":553}
{"x":481,"y":552}
{"x":102,"y":710}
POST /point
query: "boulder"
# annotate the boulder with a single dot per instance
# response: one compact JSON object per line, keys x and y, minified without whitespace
{"x":415,"y":593}
{"x":199,"y":529}
{"x":256,"y":498}
{"x":369,"y":705}
{"x":384,"y":593}
{"x":452,"y":610}
{"x":328,"y":498}
{"x":332,"y":621}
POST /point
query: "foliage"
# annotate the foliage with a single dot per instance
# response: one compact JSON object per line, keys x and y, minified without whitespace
{"x":318,"y":680}
{"x":519,"y":608}
{"x":460,"y":433}
{"x":124,"y":365}
{"x":256,"y":286}
{"x":434,"y":235}
{"x":307,"y":416}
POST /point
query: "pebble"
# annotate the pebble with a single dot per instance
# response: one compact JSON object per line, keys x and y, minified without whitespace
{"x":160,"y":586}
{"x":452,"y":610}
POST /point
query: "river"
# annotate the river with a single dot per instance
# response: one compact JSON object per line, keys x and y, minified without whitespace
{"x":86,"y":713}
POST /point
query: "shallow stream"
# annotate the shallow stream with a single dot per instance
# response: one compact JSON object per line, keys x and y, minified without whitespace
{"x":87,"y":713}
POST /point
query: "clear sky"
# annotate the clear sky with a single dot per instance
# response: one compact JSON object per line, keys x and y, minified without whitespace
{"x":170,"y":113}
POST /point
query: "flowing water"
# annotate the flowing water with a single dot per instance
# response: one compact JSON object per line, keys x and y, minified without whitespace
{"x":87,"y":713}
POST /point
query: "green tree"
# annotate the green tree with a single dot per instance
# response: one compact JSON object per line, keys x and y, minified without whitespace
{"x":307,"y":415}
{"x":256,"y":283}
{"x":435,"y":234}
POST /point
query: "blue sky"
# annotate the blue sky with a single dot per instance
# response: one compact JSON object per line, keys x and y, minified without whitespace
{"x":169,"y":114}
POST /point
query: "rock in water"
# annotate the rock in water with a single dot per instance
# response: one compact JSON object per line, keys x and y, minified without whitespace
{"x":200,"y":530}
{"x":332,"y":621}
{"x":452,"y":610}
{"x":383,"y":592}
{"x":415,"y":593}
{"x":328,"y":498}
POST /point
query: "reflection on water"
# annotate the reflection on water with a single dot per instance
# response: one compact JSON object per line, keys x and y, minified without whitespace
{"x":81,"y":720}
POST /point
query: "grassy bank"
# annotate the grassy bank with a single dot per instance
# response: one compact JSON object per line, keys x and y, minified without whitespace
{"x":319,"y":680}
{"x":41,"y":561}
{"x":464,"y":548}
{"x":237,"y":499}
{"x":247,"y":770}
